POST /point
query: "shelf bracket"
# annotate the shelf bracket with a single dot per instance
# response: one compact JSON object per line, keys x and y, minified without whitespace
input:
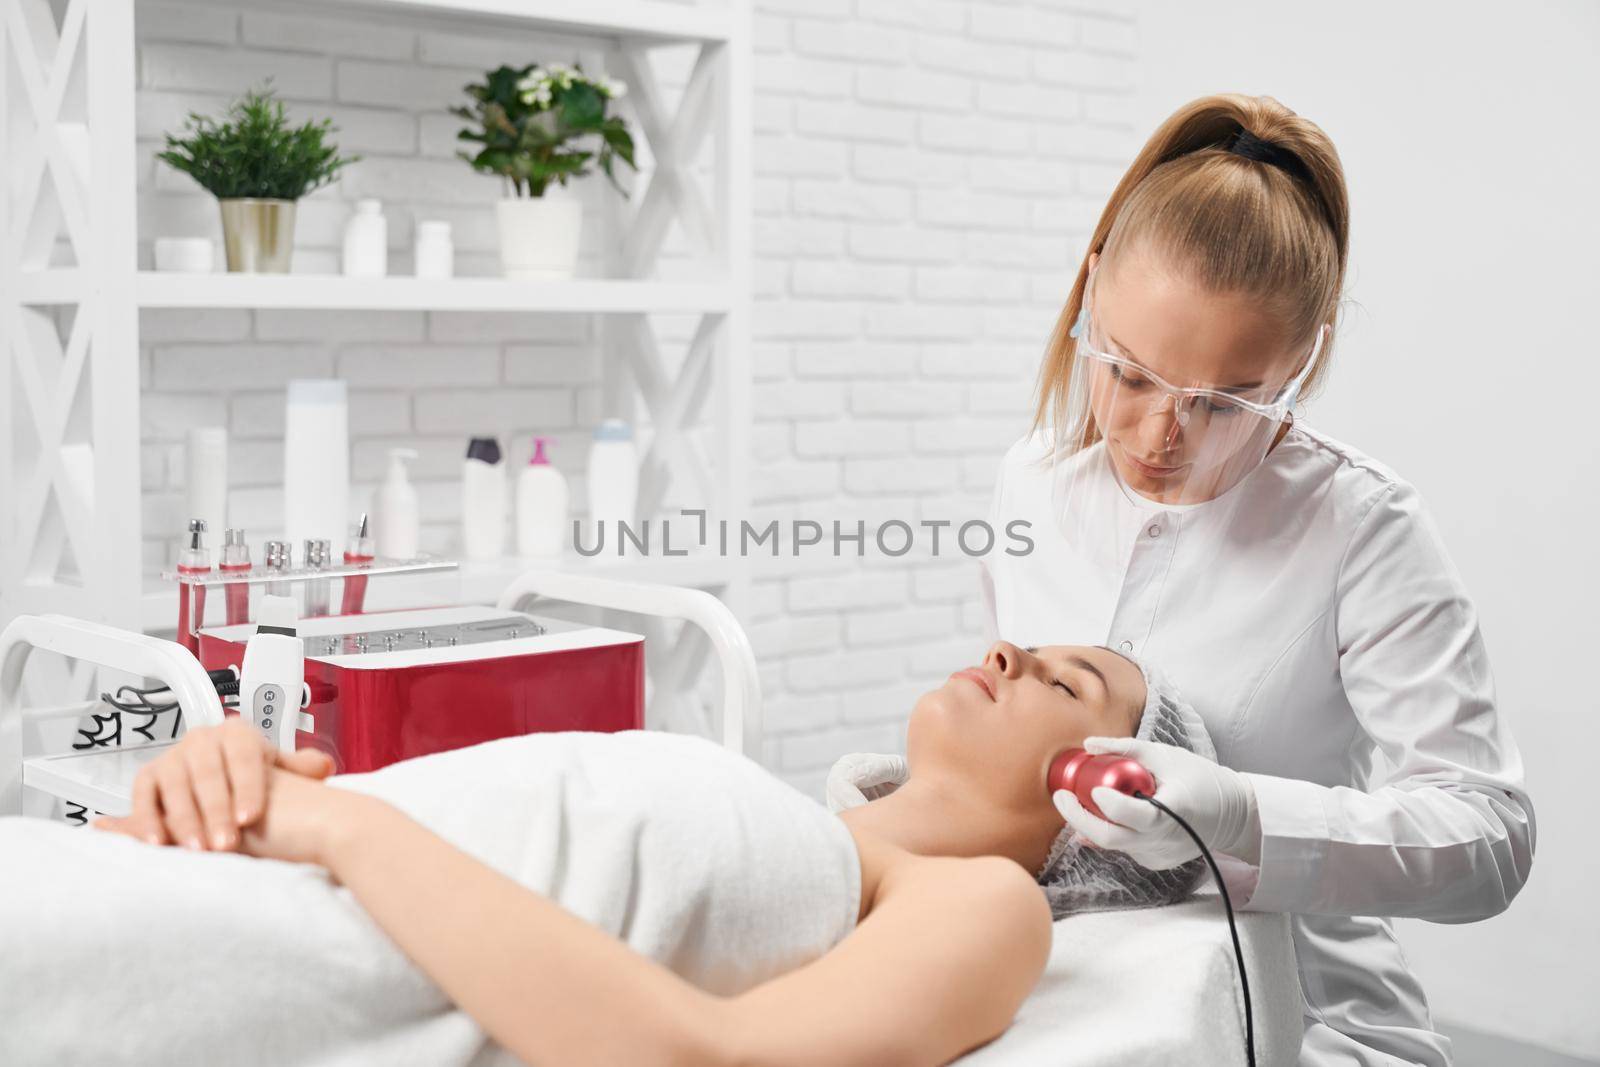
{"x":674,"y":144}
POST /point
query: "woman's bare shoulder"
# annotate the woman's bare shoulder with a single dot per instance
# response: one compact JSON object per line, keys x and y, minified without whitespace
{"x":950,"y":948}
{"x":991,"y":894}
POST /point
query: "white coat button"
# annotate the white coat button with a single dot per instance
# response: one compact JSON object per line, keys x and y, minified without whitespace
{"x":1126,"y":646}
{"x":1155,"y":529}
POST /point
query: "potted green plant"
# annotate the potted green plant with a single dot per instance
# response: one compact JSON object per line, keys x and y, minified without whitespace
{"x":257,"y":165}
{"x":538,"y":128}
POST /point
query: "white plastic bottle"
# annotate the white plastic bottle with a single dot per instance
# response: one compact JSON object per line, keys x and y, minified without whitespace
{"x":316,"y":462}
{"x":366,"y":241}
{"x":613,"y":478}
{"x":395,"y":516}
{"x":483,"y":501}
{"x":434,"y":253}
{"x":541,"y":506}
{"x":207,"y":482}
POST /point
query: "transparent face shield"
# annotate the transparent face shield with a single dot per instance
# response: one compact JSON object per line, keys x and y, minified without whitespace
{"x":1163,"y":442}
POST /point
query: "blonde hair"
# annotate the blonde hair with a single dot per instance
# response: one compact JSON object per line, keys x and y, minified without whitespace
{"x":1230,"y":223}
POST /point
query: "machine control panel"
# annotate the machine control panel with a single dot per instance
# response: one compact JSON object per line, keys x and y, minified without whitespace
{"x":449,"y":635}
{"x":267,"y":710}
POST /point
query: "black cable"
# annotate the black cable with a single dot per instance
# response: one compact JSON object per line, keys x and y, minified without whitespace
{"x":131,"y":700}
{"x":1233,"y":929}
{"x":224,"y":680}
{"x":143,"y":692}
{"x":143,"y":707}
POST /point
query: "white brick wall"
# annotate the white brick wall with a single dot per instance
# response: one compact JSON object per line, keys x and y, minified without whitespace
{"x":926,"y":174}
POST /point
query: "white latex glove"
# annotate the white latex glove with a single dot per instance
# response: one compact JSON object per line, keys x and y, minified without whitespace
{"x":1218,"y":802}
{"x":863,"y":776}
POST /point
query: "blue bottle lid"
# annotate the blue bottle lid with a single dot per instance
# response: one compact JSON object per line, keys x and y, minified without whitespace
{"x":613,"y":430}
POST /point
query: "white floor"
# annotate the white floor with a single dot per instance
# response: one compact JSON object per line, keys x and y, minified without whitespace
{"x":1476,"y":1049}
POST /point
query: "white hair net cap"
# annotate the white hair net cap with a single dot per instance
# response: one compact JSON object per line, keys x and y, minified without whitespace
{"x":1078,"y":876}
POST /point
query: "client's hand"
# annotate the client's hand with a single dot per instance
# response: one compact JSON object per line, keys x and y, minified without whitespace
{"x":302,"y":818}
{"x":212,"y":782}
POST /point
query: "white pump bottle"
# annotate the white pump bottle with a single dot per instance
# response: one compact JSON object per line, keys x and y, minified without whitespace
{"x":541,"y":506}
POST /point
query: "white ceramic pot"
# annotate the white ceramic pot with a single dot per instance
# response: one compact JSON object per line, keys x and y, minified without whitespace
{"x":539,"y":236}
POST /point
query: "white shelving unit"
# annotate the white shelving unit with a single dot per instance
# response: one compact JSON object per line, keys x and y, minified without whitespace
{"x":70,"y":528}
{"x":647,"y":22}
{"x":589,"y":295}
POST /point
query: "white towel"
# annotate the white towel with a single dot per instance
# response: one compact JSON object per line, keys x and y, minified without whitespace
{"x":1156,"y":986}
{"x":118,"y":953}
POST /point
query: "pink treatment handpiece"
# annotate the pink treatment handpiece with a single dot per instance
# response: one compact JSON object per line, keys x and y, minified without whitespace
{"x":1081,"y":774}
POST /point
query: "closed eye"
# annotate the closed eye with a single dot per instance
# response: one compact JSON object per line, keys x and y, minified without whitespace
{"x":1057,"y":682}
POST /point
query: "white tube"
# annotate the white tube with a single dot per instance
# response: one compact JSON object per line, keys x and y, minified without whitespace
{"x":206,"y":480}
{"x":316,"y":463}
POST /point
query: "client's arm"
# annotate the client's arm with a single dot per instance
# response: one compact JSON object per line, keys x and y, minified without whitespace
{"x":948,"y":952}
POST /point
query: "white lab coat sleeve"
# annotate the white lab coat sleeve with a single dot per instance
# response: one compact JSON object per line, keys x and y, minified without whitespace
{"x":1449,"y":835}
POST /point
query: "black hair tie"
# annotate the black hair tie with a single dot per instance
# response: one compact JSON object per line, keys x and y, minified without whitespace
{"x":1244,"y":143}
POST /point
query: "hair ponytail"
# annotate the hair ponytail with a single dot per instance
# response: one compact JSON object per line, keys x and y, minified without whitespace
{"x":1233,"y":222}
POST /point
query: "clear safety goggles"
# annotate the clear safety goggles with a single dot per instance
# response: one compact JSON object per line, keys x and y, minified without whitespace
{"x":1165,"y":442}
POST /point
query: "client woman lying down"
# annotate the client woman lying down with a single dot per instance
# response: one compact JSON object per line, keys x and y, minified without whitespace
{"x":631,"y":898}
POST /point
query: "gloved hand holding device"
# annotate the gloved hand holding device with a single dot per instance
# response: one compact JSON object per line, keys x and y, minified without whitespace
{"x":863,"y":776}
{"x":1216,"y":801}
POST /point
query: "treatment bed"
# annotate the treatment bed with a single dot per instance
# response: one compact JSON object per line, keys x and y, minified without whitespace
{"x":1154,"y":986}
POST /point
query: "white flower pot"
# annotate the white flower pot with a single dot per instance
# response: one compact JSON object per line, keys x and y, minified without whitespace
{"x":539,"y":236}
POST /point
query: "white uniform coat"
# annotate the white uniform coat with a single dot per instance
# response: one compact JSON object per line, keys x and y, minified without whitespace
{"x":1324,"y":636}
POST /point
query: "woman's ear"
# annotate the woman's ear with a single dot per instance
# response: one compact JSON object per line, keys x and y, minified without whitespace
{"x":1094,"y":257}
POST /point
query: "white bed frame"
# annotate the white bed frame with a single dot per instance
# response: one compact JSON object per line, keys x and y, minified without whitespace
{"x":102,"y":780}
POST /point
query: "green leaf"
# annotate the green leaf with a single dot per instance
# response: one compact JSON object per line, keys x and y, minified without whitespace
{"x":583,"y":107}
{"x":502,"y":85}
{"x":620,"y":141}
{"x":611,"y":176}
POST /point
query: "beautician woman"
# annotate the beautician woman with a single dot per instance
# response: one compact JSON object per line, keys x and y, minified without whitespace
{"x":1293,"y":588}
